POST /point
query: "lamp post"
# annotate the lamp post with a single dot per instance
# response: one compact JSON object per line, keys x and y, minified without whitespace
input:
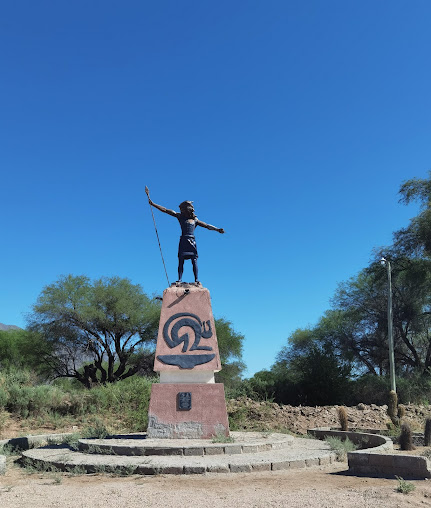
{"x":390,"y":330}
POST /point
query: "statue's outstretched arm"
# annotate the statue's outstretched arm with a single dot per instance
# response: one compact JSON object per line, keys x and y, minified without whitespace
{"x":162,"y":208}
{"x":208,"y":226}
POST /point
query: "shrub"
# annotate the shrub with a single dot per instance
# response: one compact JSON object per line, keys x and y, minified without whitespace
{"x":403,"y":486}
{"x":127,"y":401}
{"x":340,"y":446}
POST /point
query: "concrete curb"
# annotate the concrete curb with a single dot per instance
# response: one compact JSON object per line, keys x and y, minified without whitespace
{"x":375,"y":459}
{"x":2,"y":464}
{"x":27,"y":442}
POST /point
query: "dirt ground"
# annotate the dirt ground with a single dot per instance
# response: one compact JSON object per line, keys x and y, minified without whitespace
{"x":298,"y":419}
{"x":303,"y":488}
{"x":312,"y":487}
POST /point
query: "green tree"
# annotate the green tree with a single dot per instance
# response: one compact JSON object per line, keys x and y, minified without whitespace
{"x":230,"y":344}
{"x":319,"y":375}
{"x":278,"y":384}
{"x":22,"y":349}
{"x":415,"y":239}
{"x":360,"y":324}
{"x":98,"y":330}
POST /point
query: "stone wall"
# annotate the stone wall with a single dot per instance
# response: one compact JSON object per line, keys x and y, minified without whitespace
{"x":374,"y":458}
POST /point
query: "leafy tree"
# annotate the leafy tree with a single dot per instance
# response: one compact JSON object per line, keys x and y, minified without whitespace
{"x":278,"y":384}
{"x":22,"y":349}
{"x":415,"y":239}
{"x":104,"y":331}
{"x":319,"y":374}
{"x":230,"y":344}
{"x":98,"y":330}
{"x":360,"y":324}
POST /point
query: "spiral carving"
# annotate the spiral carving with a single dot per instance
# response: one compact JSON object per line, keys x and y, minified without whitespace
{"x":200,"y":329}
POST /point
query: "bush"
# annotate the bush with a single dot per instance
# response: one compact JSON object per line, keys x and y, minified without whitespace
{"x":341,"y":446}
{"x":404,"y":487}
{"x":127,"y":400}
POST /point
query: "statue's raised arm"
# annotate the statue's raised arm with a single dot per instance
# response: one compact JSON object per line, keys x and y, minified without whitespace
{"x":160,"y":207}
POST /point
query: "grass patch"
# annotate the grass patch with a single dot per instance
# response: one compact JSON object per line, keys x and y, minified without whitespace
{"x":97,"y":430}
{"x":100,"y":450}
{"x":250,"y":417}
{"x":404,"y":487}
{"x":341,"y":447}
{"x":72,"y":441}
{"x":8,"y":450}
{"x":221,"y":438}
{"x":77,"y":471}
{"x":37,"y":467}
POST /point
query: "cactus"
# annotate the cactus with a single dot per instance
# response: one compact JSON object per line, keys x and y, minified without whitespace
{"x":401,"y":411}
{"x":427,"y":433}
{"x":342,"y":418}
{"x":406,"y":438}
{"x":392,"y":407}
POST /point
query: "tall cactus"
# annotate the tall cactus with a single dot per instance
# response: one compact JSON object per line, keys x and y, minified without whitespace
{"x":342,"y":418}
{"x":406,"y":437}
{"x":392,"y":407}
{"x":427,"y":433}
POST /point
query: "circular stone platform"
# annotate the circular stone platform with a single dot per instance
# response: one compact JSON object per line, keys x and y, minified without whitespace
{"x":139,"y":444}
{"x":250,"y":451}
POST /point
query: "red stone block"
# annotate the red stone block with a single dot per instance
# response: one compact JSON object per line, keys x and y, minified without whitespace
{"x":205,"y":418}
{"x":187,"y":337}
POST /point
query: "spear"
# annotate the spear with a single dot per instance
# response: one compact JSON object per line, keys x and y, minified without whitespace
{"x":147,"y":192}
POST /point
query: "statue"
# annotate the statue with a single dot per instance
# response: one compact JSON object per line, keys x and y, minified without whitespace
{"x":188,"y":221}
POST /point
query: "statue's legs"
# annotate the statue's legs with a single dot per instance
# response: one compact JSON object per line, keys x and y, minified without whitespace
{"x":195,"y":268}
{"x":180,"y":268}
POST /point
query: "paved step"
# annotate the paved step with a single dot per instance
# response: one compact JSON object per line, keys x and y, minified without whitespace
{"x":139,"y":444}
{"x":299,"y":454}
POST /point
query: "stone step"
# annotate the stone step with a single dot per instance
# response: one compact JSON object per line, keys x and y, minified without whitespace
{"x":139,"y":444}
{"x":301,"y":453}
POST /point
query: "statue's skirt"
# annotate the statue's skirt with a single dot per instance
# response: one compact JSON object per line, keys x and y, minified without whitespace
{"x":187,"y":248}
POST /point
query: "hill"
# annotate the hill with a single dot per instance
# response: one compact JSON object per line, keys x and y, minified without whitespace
{"x":5,"y":328}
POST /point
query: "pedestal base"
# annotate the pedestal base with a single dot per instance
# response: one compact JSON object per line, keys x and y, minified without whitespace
{"x":187,"y":411}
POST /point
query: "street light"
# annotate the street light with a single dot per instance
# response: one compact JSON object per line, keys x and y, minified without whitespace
{"x":386,"y":262}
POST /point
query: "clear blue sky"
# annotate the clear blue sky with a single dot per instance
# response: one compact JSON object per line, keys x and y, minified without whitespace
{"x":291,"y":124}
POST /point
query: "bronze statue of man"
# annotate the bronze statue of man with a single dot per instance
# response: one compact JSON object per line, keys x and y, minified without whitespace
{"x":187,"y":247}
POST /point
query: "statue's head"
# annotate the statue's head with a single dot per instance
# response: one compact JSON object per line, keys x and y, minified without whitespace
{"x":187,"y":209}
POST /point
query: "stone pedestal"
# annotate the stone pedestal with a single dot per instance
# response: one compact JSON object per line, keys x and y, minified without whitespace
{"x":187,"y":403}
{"x":192,"y":411}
